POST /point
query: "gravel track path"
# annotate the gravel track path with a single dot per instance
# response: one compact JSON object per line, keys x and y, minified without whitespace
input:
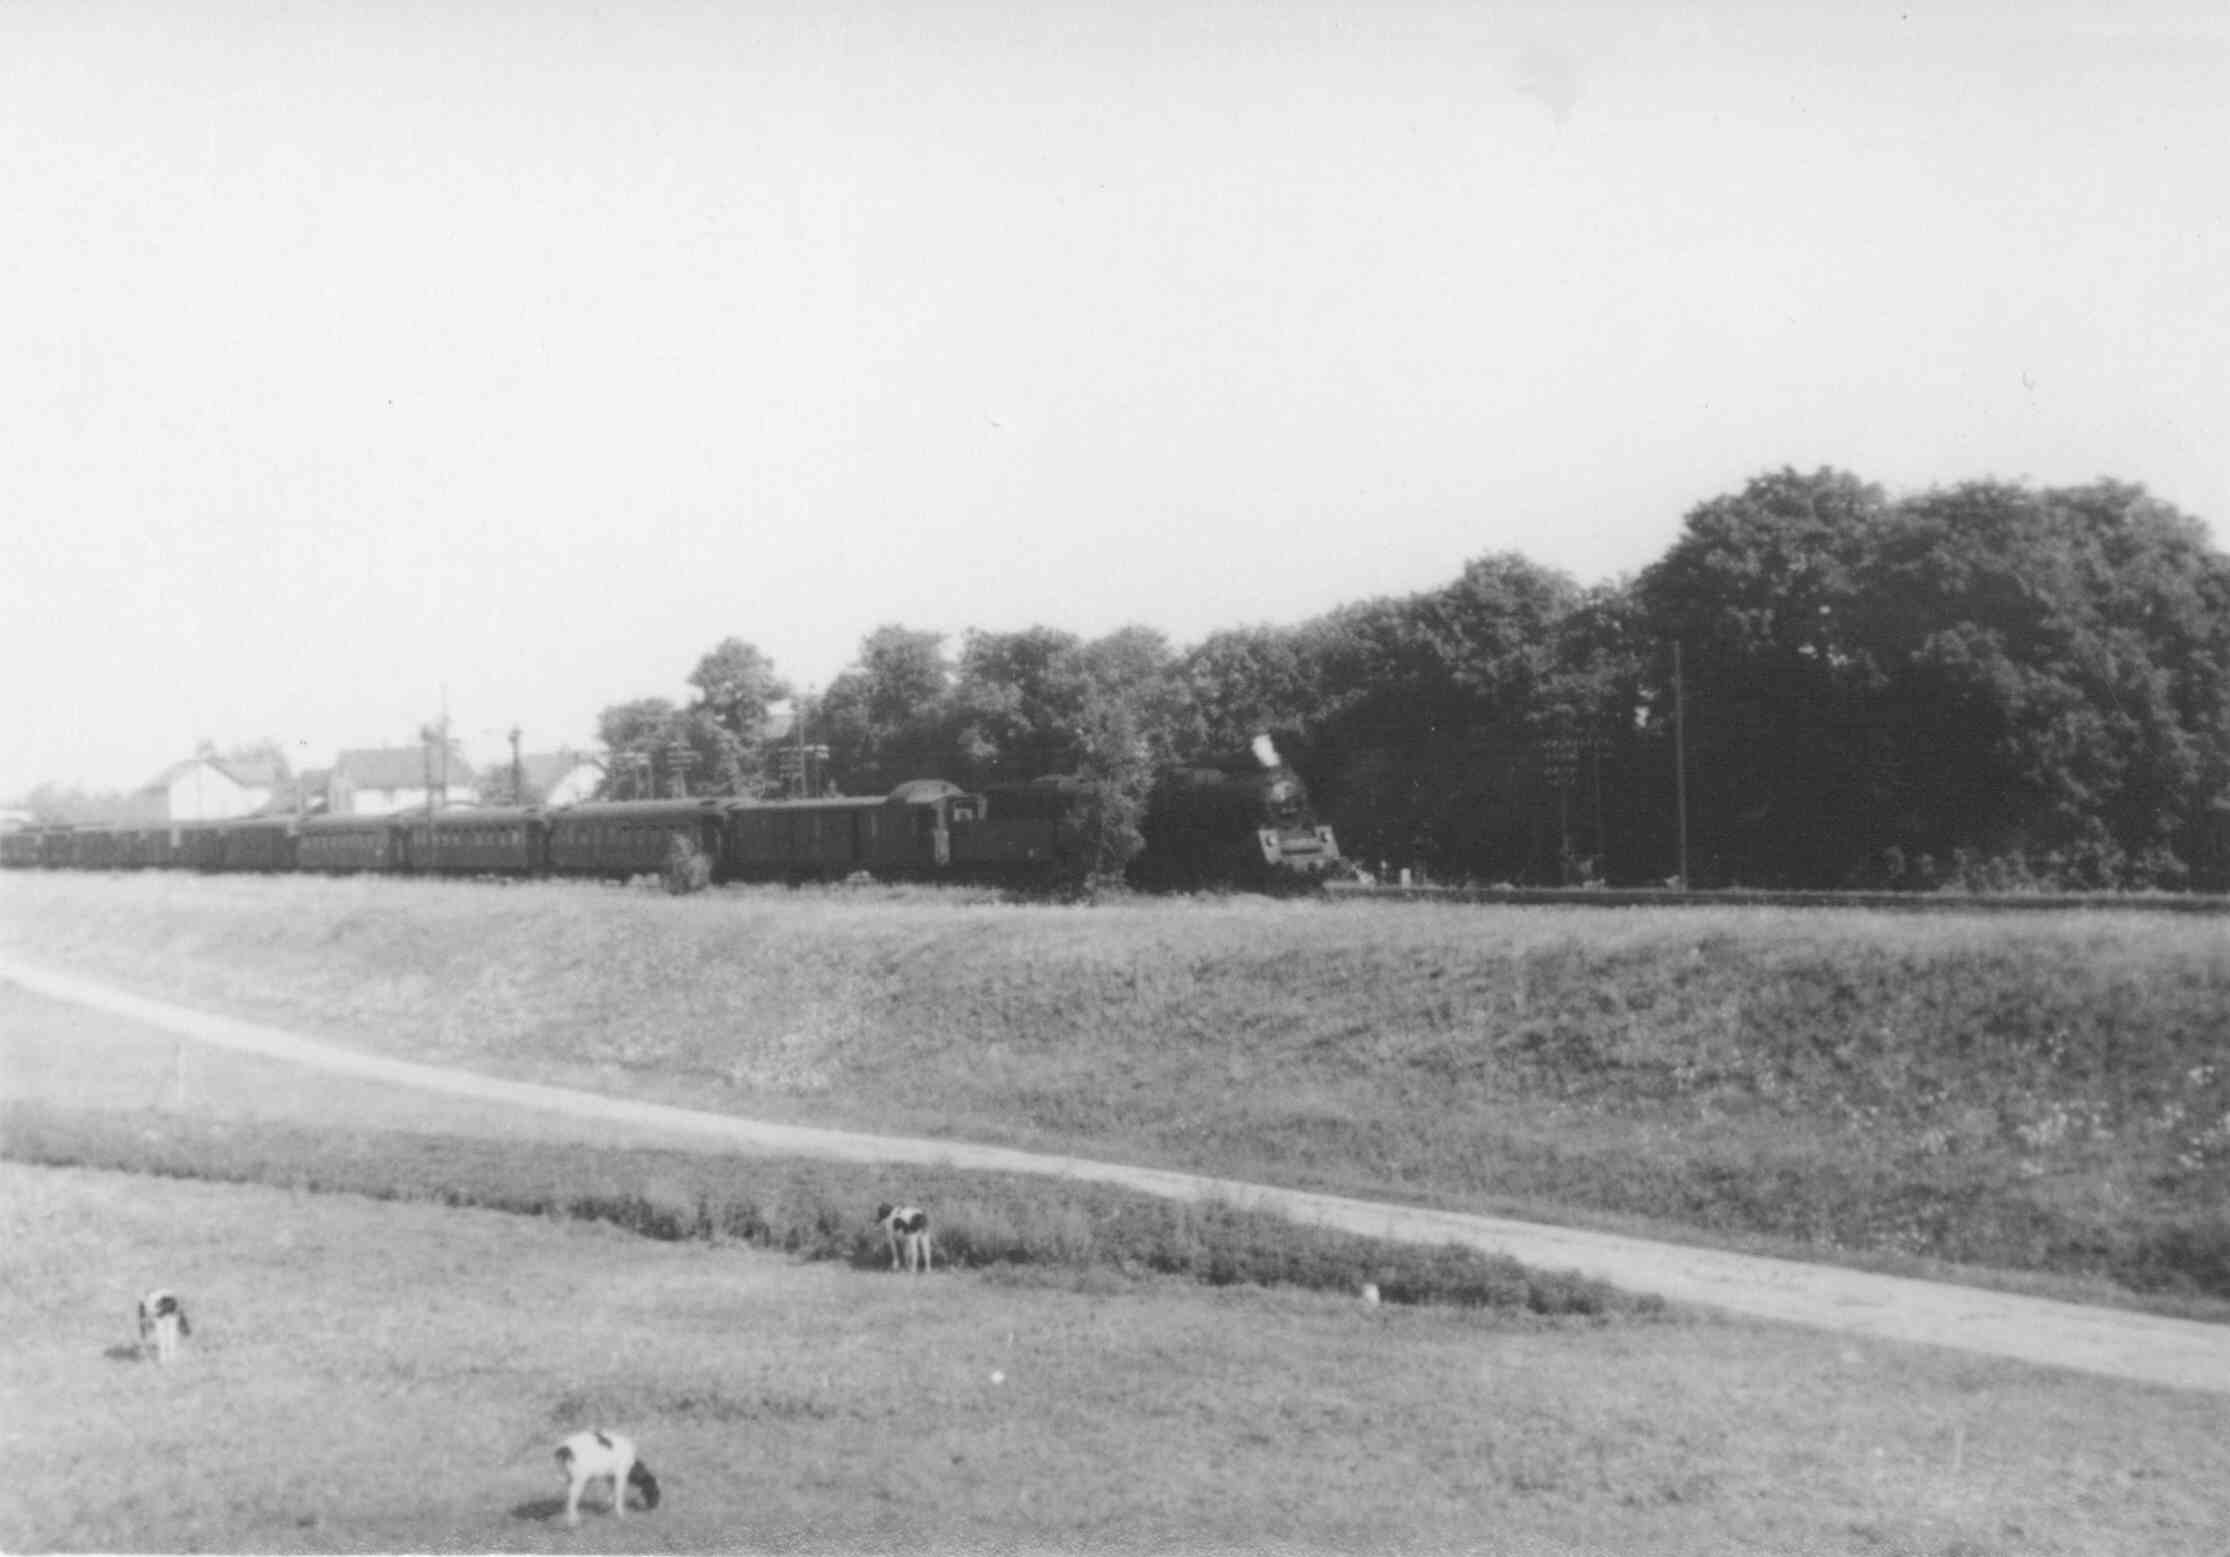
{"x":2114,"y":1342}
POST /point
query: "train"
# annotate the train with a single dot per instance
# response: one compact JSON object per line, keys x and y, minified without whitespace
{"x":1249,"y":830}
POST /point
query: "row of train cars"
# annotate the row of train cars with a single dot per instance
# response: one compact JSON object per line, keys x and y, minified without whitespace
{"x":1206,"y":826}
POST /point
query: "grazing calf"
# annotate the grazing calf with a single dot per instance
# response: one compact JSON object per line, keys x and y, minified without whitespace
{"x":162,"y":1321}
{"x":592,"y":1456}
{"x":907,"y":1227}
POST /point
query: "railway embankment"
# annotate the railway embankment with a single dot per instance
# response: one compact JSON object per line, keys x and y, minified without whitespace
{"x":2046,"y":1095}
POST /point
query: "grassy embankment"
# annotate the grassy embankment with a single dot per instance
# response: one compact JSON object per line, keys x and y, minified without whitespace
{"x":392,"y":1377}
{"x":2030,"y":1093}
{"x":811,"y":1210}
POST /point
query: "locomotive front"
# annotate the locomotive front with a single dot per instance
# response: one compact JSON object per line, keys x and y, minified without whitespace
{"x":1243,"y":820}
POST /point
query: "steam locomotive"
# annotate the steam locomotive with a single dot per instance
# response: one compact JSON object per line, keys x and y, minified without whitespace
{"x":1215,"y":825}
{"x":1242,"y":820}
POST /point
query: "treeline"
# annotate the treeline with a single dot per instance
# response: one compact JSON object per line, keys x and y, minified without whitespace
{"x":1984,"y":686}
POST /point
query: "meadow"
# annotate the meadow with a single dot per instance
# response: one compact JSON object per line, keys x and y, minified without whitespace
{"x":402,"y":1301}
{"x":2043,"y":1097}
{"x":392,"y":1376}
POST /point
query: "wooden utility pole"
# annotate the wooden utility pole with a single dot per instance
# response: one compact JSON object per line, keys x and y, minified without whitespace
{"x":518,"y":781}
{"x":1680,"y":762}
{"x":445,"y":743}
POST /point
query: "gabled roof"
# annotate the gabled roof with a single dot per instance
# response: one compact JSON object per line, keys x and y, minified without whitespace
{"x":398,"y":767}
{"x":258,"y":774}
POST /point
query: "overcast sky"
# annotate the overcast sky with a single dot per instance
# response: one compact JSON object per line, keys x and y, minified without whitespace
{"x":348,"y":352}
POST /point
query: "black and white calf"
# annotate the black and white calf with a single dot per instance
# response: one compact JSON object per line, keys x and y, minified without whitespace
{"x":162,"y":1323}
{"x":592,"y":1456}
{"x":907,"y":1227}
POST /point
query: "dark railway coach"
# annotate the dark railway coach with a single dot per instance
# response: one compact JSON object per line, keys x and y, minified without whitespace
{"x":622,"y":838}
{"x":1242,"y":822}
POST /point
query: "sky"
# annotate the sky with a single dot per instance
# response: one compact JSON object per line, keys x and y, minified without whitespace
{"x":361,"y":358}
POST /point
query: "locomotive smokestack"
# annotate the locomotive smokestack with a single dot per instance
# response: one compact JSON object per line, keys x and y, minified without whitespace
{"x":1266,"y":752}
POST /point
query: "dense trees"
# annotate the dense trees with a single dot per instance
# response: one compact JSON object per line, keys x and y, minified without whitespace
{"x":1987,"y":684}
{"x":1985,"y":680}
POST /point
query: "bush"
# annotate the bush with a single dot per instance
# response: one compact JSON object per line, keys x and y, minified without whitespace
{"x":686,"y":869}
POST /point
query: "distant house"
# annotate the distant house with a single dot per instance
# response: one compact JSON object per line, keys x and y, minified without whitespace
{"x":380,"y":781}
{"x":203,"y":789}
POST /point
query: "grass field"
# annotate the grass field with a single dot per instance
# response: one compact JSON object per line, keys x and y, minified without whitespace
{"x":393,"y":1376}
{"x":2038,"y":1093}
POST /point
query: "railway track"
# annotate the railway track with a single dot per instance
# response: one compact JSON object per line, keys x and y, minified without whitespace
{"x":1900,"y":902}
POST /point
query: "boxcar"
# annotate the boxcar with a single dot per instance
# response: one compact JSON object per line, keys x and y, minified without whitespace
{"x":255,"y":843}
{"x":144,"y":846}
{"x":19,"y":848}
{"x":476,"y":841}
{"x":919,"y":822}
{"x":1018,"y":830}
{"x":346,"y":843}
{"x":797,"y":840}
{"x":95,"y":848}
{"x":628,"y":837}
{"x":198,"y":846}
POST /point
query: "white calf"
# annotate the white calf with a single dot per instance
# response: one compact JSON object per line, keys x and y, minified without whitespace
{"x":907,"y":1227}
{"x":592,"y":1456}
{"x":162,"y":1322}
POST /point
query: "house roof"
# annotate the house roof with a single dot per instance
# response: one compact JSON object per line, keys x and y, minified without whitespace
{"x":398,"y":767}
{"x":260,"y":773}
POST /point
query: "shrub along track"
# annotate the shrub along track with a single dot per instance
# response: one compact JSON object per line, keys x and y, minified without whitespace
{"x":2146,"y":1348}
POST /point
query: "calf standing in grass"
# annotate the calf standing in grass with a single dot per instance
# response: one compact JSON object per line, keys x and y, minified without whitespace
{"x":162,"y":1323}
{"x":592,"y":1456}
{"x":907,"y":1227}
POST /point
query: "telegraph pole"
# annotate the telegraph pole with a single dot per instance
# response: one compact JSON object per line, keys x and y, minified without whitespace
{"x":426,"y":758}
{"x":1680,"y":761}
{"x":518,"y":783}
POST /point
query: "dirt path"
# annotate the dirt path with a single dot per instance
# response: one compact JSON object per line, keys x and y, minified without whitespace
{"x":2113,"y":1342}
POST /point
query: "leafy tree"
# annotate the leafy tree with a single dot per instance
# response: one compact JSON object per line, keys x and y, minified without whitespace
{"x":2057,"y":660}
{"x":1241,"y":682}
{"x":888,"y":717}
{"x":1787,"y":774}
{"x":1128,"y":724}
{"x":1583,"y":730}
{"x":69,"y":805}
{"x":712,"y":746}
{"x":1043,"y":702}
{"x":632,"y":732}
{"x":736,"y":684}
{"x":1428,"y":746}
{"x":725,"y":736}
{"x":1017,"y":704}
